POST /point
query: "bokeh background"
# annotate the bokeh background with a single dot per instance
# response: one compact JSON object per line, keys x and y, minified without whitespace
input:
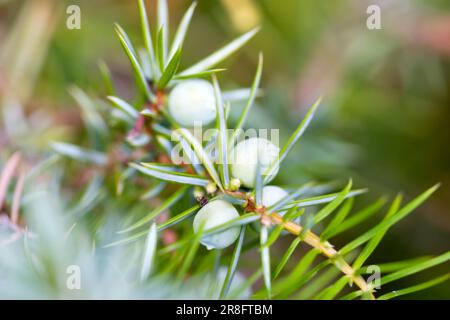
{"x":385,"y":120}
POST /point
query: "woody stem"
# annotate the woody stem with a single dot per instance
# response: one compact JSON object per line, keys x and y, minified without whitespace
{"x":326,"y":249}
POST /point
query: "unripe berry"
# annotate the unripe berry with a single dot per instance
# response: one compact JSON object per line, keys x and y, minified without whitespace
{"x":213,"y":214}
{"x":271,"y":195}
{"x":246,"y":155}
{"x":192,"y":101}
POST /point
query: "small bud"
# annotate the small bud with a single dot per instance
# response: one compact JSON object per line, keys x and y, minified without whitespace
{"x":235,"y":184}
{"x":198,"y":194}
{"x":211,"y":188}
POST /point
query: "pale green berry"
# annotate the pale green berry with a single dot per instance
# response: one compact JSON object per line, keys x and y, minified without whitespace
{"x":192,"y":101}
{"x":246,"y":155}
{"x":271,"y":195}
{"x":213,"y":214}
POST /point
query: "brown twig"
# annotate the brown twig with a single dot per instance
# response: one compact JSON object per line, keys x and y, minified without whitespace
{"x":313,"y":240}
{"x":326,"y":249}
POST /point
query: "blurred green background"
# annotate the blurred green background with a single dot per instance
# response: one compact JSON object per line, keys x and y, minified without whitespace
{"x":385,"y":120}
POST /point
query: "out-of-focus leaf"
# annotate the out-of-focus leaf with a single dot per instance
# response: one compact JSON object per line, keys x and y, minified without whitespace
{"x":160,"y":49}
{"x":170,"y":70}
{"x":107,"y":78}
{"x":150,"y":249}
{"x":137,"y":69}
{"x":250,"y":100}
{"x":389,"y":222}
{"x":354,"y":220}
{"x":163,"y":26}
{"x":197,"y":75}
{"x":274,"y":235}
{"x":223,"y":135}
{"x":91,"y":196}
{"x":42,"y":166}
{"x":233,"y":264}
{"x":397,"y":265}
{"x":90,"y":113}
{"x":241,"y":94}
{"x":80,"y":154}
{"x":148,"y":113}
{"x":178,"y":218}
{"x":195,"y":162}
{"x":373,"y":243}
{"x":220,"y":54}
{"x":170,"y":176}
{"x":183,"y":27}
{"x":265,"y":260}
{"x":126,"y":240}
{"x":415,"y":268}
{"x":201,"y":154}
{"x":332,"y":291}
{"x":312,"y":283}
{"x":321,"y":199}
{"x":124,"y":106}
{"x":329,"y":208}
{"x":235,"y":293}
{"x":191,"y":251}
{"x":289,"y":284}
{"x":170,"y":201}
{"x":146,"y":33}
{"x":291,"y":196}
{"x":154,"y":191}
{"x":292,"y":140}
{"x":415,"y":288}
{"x":338,"y":218}
{"x":123,"y":176}
{"x":286,"y":256}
